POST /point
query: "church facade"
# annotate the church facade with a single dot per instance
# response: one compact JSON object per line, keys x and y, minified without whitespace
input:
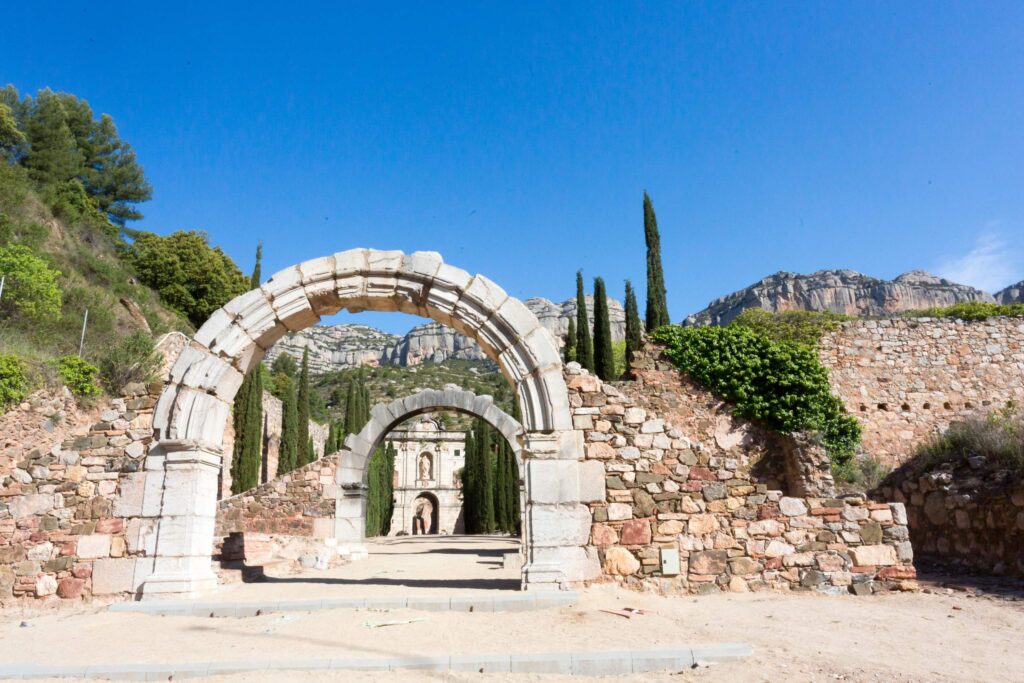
{"x":427,"y":486}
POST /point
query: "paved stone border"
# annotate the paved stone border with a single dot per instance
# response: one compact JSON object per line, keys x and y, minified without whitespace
{"x":427,"y":603}
{"x":591,"y":663}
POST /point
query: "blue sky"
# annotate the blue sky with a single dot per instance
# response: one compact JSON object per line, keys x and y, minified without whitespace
{"x":517,"y":138}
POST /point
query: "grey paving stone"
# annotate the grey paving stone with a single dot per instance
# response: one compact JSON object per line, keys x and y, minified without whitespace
{"x":344,"y":603}
{"x":430,"y":604}
{"x":721,"y":653}
{"x":671,"y":659}
{"x":237,"y":666}
{"x":602,"y":663}
{"x":427,"y":663}
{"x":387,"y":603}
{"x":548,"y":663}
{"x":124,"y":672}
{"x":300,"y":664}
{"x":482,"y":663}
{"x":354,"y":664}
{"x":471,"y":604}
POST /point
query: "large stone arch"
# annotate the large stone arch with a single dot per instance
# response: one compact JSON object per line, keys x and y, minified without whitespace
{"x":354,"y":457}
{"x":194,"y":406}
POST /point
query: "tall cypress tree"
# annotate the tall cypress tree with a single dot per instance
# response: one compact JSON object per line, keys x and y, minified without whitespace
{"x":469,"y":503}
{"x":486,"y":465}
{"x":584,"y":346}
{"x":657,"y":306}
{"x":255,"y":279}
{"x":604,"y":358}
{"x":247,"y":453}
{"x":500,"y":492}
{"x":569,"y":352}
{"x":289,"y":456}
{"x":634,"y":334}
{"x":516,"y":507}
{"x":305,"y":453}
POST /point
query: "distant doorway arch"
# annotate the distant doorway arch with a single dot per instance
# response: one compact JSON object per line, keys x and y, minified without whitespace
{"x":193,"y":409}
{"x":425,"y":512}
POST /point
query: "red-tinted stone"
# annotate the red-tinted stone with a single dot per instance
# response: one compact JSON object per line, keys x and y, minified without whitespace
{"x":897,"y":573}
{"x":703,"y":473}
{"x":635,"y":532}
{"x":110,"y":525}
{"x":81,"y":571}
{"x":70,"y":588}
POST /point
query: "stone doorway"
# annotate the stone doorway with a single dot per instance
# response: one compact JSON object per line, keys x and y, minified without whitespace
{"x":426,"y":510}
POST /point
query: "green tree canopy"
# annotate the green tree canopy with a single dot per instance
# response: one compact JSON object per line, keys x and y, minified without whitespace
{"x":657,"y":306}
{"x":604,"y":358}
{"x":584,"y":344}
{"x":189,"y":274}
{"x":634,"y":330}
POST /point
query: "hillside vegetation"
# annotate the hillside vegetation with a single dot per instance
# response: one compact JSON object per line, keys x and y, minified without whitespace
{"x":68,"y":187}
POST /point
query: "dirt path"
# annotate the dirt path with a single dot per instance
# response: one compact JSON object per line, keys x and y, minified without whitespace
{"x":798,"y":637}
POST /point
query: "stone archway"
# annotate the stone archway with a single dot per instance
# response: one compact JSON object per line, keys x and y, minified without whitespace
{"x":194,"y":406}
{"x":354,"y":457}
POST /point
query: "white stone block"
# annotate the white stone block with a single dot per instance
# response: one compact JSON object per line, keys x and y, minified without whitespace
{"x":128,"y":502}
{"x":92,"y":546}
{"x":185,"y":535}
{"x":111,"y":576}
{"x":478,"y":302}
{"x":445,"y":291}
{"x":561,"y":525}
{"x":592,"y":481}
{"x":552,"y":481}
{"x":618,"y":512}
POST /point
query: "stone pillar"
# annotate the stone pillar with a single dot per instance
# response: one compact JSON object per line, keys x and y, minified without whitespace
{"x":185,"y":477}
{"x":557,"y":524}
{"x":350,"y":509}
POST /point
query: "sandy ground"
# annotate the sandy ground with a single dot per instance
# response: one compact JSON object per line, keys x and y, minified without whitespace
{"x":796,"y":637}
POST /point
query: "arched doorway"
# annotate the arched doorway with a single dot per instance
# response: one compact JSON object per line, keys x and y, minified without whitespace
{"x":193,"y":409}
{"x":425,"y":514}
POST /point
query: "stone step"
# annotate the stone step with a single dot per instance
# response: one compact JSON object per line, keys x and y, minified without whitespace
{"x":585,"y":663}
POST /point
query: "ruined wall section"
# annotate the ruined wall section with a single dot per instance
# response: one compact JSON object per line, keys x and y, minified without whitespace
{"x":905,"y":379}
{"x":685,"y":479}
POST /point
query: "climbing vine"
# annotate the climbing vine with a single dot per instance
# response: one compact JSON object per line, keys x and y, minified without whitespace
{"x":779,"y":384}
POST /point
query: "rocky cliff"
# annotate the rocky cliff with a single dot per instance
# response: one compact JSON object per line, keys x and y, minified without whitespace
{"x":840,"y":291}
{"x":1014,"y":294}
{"x":332,"y":347}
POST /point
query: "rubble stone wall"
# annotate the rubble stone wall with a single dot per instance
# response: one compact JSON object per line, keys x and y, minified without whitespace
{"x":685,"y":479}
{"x":905,"y":379}
{"x":963,"y":516}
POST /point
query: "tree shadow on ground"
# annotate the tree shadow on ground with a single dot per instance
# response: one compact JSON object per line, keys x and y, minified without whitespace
{"x":481,"y":584}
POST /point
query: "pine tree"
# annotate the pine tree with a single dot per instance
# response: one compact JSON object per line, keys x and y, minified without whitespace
{"x":570,"y":342}
{"x":289,"y":456}
{"x":604,"y":359}
{"x":634,"y":333}
{"x":53,"y":155}
{"x":305,"y":454}
{"x":657,"y":306}
{"x":584,"y":345}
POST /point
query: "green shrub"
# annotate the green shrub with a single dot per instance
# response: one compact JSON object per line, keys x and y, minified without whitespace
{"x":30,"y":285}
{"x":781,"y":385}
{"x":998,"y":437}
{"x":133,"y":360}
{"x":797,"y":327}
{"x":79,"y":376}
{"x":971,"y":310}
{"x":14,"y":384}
{"x":863,"y":471}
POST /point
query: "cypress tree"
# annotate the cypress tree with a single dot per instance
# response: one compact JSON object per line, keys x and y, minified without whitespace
{"x":634,"y":333}
{"x":486,"y":464}
{"x":517,"y":513}
{"x":584,"y":346}
{"x":604,"y":358}
{"x":305,"y":454}
{"x":289,"y":457}
{"x":469,"y":504}
{"x":657,"y":306}
{"x":254,"y":280}
{"x":247,"y":453}
{"x":570,"y":342}
{"x":500,"y":493}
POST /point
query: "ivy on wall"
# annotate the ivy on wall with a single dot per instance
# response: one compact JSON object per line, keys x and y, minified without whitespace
{"x":782,"y":385}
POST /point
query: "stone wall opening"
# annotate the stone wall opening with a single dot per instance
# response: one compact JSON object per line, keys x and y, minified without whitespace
{"x":194,"y":406}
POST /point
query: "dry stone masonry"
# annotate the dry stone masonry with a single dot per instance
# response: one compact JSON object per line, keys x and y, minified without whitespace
{"x":694,"y":500}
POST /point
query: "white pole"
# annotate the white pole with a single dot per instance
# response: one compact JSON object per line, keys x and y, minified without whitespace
{"x":2,"y":278}
{"x":81,"y":341}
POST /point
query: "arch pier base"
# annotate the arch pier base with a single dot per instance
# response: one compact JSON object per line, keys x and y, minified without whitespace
{"x":181,"y":484}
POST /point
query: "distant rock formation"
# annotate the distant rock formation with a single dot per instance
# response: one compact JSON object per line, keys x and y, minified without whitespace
{"x":1014,"y":294}
{"x":839,"y":291}
{"x":333,"y":347}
